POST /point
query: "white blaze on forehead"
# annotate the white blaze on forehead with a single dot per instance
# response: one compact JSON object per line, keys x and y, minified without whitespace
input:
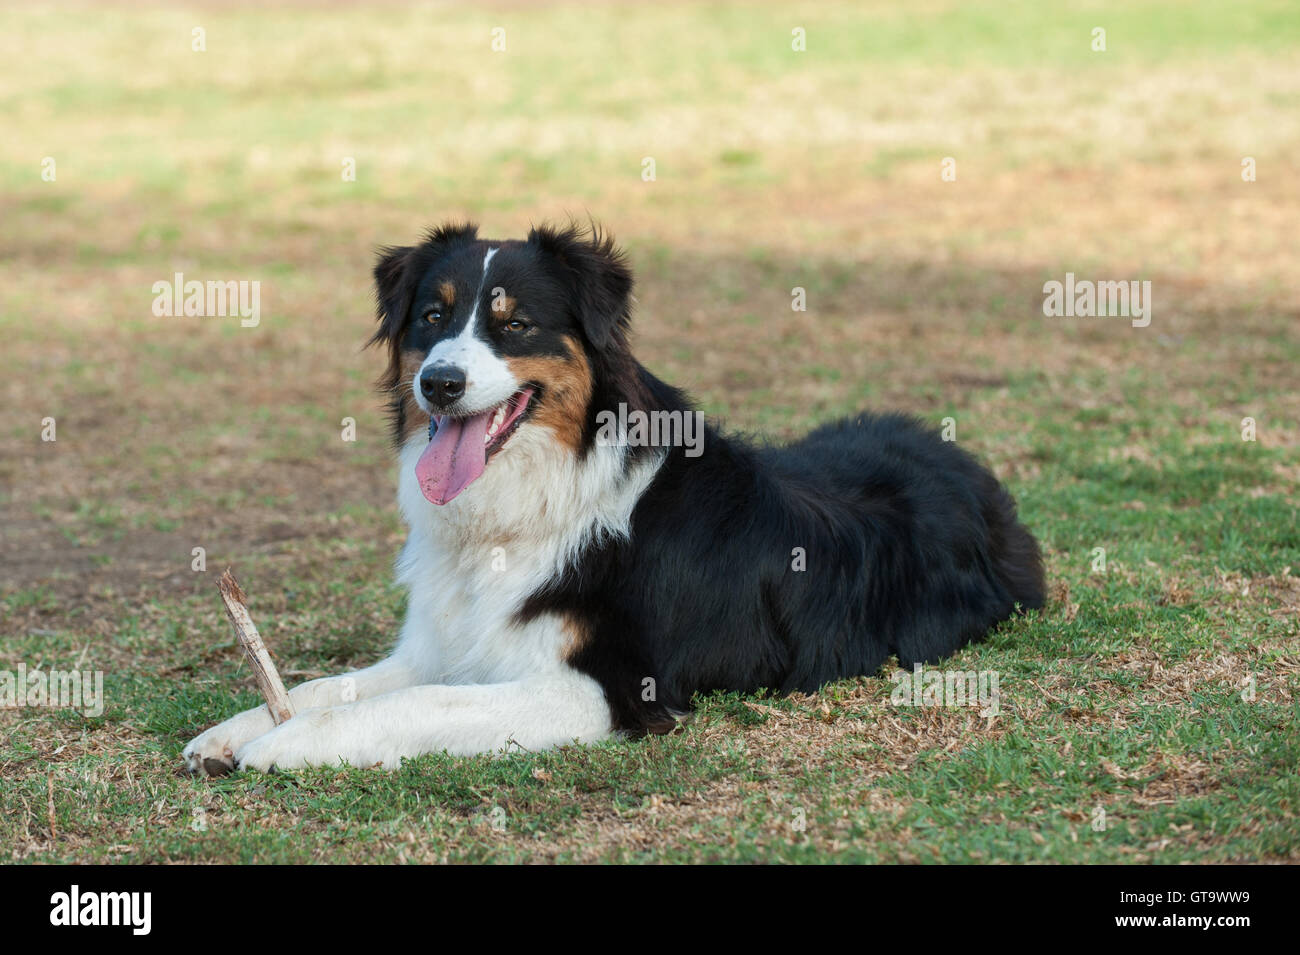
{"x":478,"y":295}
{"x":488,"y":381}
{"x":482,"y":283}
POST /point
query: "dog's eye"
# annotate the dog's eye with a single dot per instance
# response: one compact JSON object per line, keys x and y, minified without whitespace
{"x":433,"y":315}
{"x":515,"y":325}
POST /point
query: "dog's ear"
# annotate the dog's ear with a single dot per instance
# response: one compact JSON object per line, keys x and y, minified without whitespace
{"x":393,"y":290}
{"x":599,"y":280}
{"x":398,"y":272}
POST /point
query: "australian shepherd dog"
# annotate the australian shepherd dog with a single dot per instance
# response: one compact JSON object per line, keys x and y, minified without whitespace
{"x":570,"y":579}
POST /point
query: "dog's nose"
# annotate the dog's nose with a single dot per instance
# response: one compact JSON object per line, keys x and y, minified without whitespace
{"x":442,"y":384}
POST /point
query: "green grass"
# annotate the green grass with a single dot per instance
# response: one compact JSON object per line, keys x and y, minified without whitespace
{"x":1109,"y":735}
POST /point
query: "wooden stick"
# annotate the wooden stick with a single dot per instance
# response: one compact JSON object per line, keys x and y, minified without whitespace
{"x":268,"y":678}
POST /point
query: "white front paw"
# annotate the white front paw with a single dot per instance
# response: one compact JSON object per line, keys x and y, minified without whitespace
{"x":212,"y":753}
{"x":314,"y":738}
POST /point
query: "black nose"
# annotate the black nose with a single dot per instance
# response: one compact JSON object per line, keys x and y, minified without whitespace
{"x":442,"y":384}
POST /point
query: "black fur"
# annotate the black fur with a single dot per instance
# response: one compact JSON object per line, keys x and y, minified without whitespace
{"x":912,"y":548}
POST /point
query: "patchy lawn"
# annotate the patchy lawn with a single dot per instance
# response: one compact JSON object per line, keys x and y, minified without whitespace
{"x":1147,"y":714}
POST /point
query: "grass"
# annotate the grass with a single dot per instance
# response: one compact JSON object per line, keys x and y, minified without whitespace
{"x":1158,"y":694}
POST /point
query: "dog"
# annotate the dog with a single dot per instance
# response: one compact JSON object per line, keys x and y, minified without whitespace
{"x":570,"y":580}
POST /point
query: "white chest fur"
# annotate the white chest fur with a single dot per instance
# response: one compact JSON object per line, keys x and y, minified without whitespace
{"x":470,"y":565}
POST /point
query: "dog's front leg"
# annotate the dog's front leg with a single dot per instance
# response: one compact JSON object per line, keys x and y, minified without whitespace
{"x":215,"y":749}
{"x":537,"y":713}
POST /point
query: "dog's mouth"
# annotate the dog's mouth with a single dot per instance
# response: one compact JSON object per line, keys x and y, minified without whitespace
{"x":460,"y":446}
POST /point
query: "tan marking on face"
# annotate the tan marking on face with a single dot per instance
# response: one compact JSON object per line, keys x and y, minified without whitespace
{"x":415,"y":420}
{"x":567,"y":385}
{"x":448,"y":292}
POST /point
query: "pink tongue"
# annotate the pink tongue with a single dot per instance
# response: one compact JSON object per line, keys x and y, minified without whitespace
{"x":454,"y":458}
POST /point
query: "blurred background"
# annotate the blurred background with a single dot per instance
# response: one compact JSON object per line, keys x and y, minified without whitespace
{"x":792,"y":145}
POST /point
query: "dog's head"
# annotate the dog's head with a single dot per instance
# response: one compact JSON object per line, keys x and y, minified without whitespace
{"x":486,"y":338}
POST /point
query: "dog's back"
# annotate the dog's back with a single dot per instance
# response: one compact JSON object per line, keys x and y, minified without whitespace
{"x":945,"y":557}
